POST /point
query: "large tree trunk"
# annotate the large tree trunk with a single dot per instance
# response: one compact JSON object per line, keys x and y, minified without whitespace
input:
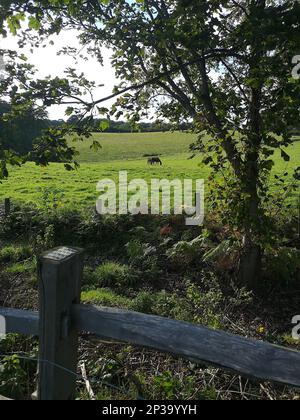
{"x":250,"y":264}
{"x":251,"y":258}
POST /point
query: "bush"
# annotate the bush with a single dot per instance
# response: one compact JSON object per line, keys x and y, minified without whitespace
{"x":282,"y":266}
{"x":111,"y":274}
{"x":184,"y":253}
{"x":28,"y":266}
{"x":207,"y":305}
{"x":143,"y":257}
{"x":163,"y":304}
{"x":15,"y":253}
{"x":13,"y":377}
{"x":107,"y":233}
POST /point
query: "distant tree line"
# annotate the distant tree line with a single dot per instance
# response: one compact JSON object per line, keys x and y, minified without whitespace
{"x":112,"y":126}
{"x":19,"y":134}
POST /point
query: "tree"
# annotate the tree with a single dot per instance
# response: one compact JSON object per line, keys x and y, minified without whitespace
{"x":223,"y":65}
{"x":19,"y":134}
{"x":25,"y":135}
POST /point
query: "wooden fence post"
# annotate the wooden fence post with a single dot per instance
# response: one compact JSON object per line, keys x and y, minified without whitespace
{"x":60,"y":272}
{"x":6,"y":206}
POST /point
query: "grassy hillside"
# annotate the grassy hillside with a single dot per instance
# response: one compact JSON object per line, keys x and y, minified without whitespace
{"x":119,"y":152}
{"x":132,"y":146}
{"x":142,"y":264}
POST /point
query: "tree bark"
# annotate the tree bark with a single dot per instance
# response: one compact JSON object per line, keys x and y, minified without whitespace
{"x":251,"y":258}
{"x":250,"y":263}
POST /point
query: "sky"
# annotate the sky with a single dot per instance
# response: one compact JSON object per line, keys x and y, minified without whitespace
{"x":48,"y":63}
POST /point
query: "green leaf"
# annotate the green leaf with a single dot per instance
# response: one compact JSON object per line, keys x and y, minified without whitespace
{"x":69,"y":111}
{"x":285,"y":156}
{"x":34,"y":23}
{"x":268,"y":164}
{"x":104,"y":125}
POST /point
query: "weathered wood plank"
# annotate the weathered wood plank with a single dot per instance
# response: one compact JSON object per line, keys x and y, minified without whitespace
{"x":250,"y":358}
{"x":21,"y":322}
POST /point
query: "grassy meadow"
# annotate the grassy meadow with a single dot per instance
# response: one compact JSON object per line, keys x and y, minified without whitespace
{"x":119,"y":152}
{"x":151,"y":265}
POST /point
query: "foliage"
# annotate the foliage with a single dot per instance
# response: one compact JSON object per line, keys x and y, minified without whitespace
{"x":203,"y":296}
{"x":15,"y":253}
{"x":143,"y":257}
{"x":167,"y":385}
{"x":282,"y":266}
{"x":104,"y":297}
{"x":184,"y":253}
{"x":172,"y":49}
{"x":112,"y":126}
{"x":51,"y":198}
{"x":28,"y":266}
{"x":207,"y":305}
{"x":112,"y":274}
{"x":28,"y":99}
{"x":162,"y":304}
{"x":13,"y":377}
{"x":18,"y":135}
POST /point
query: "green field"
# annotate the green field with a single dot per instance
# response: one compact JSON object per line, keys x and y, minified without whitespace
{"x":119,"y":152}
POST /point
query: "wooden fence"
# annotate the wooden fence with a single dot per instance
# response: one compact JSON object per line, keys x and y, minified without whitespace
{"x":5,"y":208}
{"x":61,"y":318}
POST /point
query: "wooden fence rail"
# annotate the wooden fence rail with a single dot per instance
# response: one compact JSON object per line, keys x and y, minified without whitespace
{"x":251,"y":358}
{"x":62,"y":317}
{"x":20,"y":322}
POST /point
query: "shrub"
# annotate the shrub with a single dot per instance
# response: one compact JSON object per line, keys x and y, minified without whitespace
{"x":282,"y":266}
{"x":13,"y":377}
{"x":138,"y":251}
{"x":163,"y":304}
{"x":223,"y":257}
{"x":15,"y":253}
{"x":28,"y":266}
{"x":207,"y":305}
{"x":184,"y":253}
{"x":78,"y":228}
{"x":144,"y":302}
{"x":143,"y":257}
{"x":111,"y":274}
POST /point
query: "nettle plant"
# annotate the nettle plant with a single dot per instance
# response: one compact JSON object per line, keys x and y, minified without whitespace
{"x":225,"y":66}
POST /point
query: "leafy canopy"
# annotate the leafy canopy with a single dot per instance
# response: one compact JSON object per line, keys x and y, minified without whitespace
{"x":223,"y":65}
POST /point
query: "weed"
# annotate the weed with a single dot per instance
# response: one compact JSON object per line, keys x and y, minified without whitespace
{"x":111,"y":274}
{"x":15,"y":253}
{"x":105,"y":297}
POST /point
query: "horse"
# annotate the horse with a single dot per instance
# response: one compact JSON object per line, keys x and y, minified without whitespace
{"x":154,"y":161}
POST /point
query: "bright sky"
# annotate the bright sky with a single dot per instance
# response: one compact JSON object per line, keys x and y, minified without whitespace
{"x":48,"y":63}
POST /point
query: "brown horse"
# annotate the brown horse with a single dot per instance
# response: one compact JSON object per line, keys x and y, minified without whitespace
{"x":154,"y":161}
